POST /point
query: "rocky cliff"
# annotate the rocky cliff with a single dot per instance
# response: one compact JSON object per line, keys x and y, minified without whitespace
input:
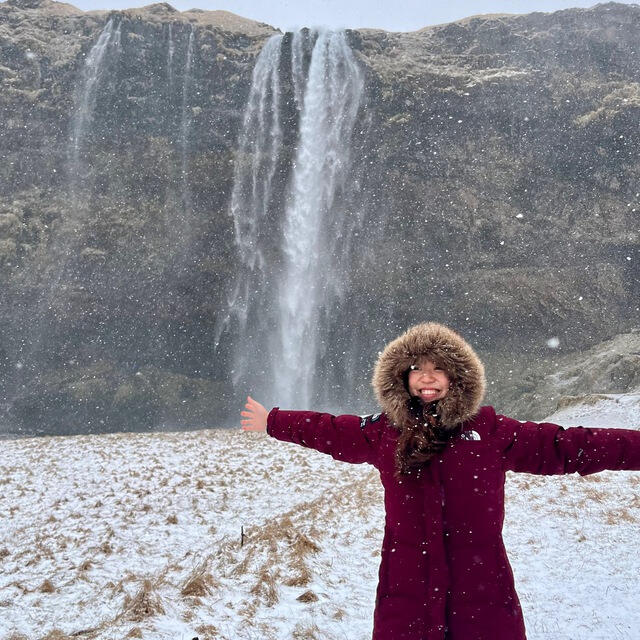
{"x":494,"y":164}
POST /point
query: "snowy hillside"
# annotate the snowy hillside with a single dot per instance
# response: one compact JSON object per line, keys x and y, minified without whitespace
{"x":139,"y":536}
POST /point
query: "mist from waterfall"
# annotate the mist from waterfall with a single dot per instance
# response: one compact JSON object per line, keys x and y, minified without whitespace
{"x":58,"y":275}
{"x":259,"y":149}
{"x":292,"y":248}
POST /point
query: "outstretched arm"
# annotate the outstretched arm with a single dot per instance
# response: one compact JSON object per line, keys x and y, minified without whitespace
{"x":546,"y":448}
{"x":347,"y":438}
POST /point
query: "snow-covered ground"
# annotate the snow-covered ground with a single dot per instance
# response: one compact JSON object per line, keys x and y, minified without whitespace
{"x":139,"y":536}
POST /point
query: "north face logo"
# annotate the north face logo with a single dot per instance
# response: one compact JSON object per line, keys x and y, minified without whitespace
{"x":364,"y":420}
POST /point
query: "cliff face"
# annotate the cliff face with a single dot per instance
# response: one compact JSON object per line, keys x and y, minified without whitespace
{"x":494,"y":163}
{"x":520,"y":134}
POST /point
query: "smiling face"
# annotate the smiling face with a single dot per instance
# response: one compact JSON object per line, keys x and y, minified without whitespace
{"x":427,"y":381}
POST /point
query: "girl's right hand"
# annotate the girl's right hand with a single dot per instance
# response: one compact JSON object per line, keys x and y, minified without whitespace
{"x":255,"y":416}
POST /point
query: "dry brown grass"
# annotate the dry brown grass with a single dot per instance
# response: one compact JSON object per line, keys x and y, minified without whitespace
{"x":172,"y":519}
{"x":106,"y":548}
{"x":56,"y":634}
{"x":199,"y":583}
{"x":310,"y":632}
{"x":4,"y":552}
{"x":20,"y":586}
{"x":85,"y":566}
{"x":266,"y":588}
{"x":136,"y":632}
{"x":144,"y":604}
{"x":597,"y":495}
{"x":615,"y":516}
{"x":286,"y":548}
{"x":207,"y":632}
{"x":301,"y":578}
{"x":302,"y":545}
{"x":308,"y":596}
{"x":46,"y":587}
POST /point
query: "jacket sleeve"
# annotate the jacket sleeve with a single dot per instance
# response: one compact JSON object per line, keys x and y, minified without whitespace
{"x":347,"y":438}
{"x":545,"y":448}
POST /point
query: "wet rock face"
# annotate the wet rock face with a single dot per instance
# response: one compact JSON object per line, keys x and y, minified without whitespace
{"x":494,"y":162}
{"x":502,"y":154}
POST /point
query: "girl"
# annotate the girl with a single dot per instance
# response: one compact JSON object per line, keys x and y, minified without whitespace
{"x":442,"y":458}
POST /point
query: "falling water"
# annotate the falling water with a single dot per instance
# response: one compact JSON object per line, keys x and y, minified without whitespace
{"x":299,"y":45}
{"x":170,"y":53}
{"x":185,"y":124}
{"x":314,"y":231}
{"x":71,"y":232}
{"x":260,"y":146}
{"x":88,"y":88}
{"x":282,"y":295}
{"x":85,"y":99}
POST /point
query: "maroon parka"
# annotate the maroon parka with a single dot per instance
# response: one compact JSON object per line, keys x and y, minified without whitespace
{"x":444,"y":572}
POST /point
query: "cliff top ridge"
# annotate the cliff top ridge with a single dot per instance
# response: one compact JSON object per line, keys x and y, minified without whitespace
{"x":159,"y":11}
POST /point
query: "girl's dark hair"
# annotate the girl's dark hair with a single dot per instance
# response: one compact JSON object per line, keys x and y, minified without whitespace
{"x":422,"y":438}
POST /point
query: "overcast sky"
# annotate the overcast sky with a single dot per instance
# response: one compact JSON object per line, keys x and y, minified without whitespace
{"x":392,"y":15}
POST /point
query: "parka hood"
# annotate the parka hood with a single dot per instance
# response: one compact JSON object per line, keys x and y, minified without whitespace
{"x":446,"y":349}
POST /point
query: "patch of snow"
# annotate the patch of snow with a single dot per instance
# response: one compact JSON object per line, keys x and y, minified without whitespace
{"x":142,"y":533}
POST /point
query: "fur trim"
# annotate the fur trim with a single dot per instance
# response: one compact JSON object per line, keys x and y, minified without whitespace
{"x":445,"y":348}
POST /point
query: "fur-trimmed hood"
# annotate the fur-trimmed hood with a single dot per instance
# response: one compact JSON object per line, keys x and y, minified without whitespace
{"x":446,"y":349}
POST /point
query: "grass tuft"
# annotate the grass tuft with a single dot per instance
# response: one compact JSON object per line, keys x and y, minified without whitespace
{"x":266,"y":588}
{"x":46,"y":587}
{"x":56,"y":634}
{"x":207,"y":632}
{"x":307,"y":596}
{"x":199,"y":583}
{"x":143,"y":605}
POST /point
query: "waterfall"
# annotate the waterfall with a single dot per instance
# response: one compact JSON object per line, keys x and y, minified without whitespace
{"x":185,"y":124}
{"x":292,"y":249}
{"x":314,"y":231}
{"x":85,"y":99}
{"x":170,"y":53}
{"x":71,"y":232}
{"x":259,"y":149}
{"x":260,"y":146}
{"x":88,"y":88}
{"x":299,"y":44}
